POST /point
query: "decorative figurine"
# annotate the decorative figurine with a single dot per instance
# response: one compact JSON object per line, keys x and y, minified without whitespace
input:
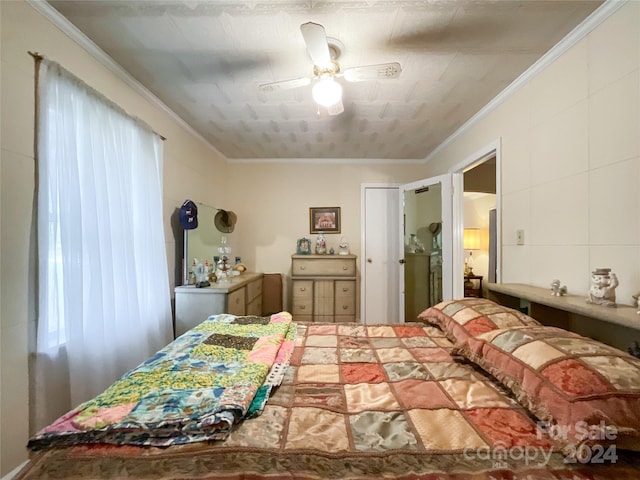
{"x":202,"y":275}
{"x":636,"y":302}
{"x":223,"y":270}
{"x":603,"y":287}
{"x":557,"y":290}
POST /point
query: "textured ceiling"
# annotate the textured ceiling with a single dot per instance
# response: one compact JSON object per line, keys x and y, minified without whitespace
{"x":205,"y":60}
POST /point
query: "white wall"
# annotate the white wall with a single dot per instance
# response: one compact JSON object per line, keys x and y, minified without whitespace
{"x":570,"y":162}
{"x":272,"y":202}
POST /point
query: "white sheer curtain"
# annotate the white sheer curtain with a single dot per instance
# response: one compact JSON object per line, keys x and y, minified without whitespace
{"x":104,"y":300}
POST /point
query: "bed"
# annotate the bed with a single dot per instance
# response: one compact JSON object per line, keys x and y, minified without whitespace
{"x":422,"y":400}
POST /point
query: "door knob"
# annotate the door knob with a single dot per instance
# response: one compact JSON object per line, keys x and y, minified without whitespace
{"x":401,"y":260}
{"x":369,"y":260}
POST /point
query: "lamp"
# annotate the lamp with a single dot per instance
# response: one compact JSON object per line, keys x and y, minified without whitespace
{"x":471,"y":240}
{"x":327,"y":91}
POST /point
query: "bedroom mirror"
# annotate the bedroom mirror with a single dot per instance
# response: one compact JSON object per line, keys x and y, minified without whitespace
{"x":202,"y":243}
{"x":423,"y":249}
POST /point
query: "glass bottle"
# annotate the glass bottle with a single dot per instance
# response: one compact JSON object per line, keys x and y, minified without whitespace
{"x":223,"y":270}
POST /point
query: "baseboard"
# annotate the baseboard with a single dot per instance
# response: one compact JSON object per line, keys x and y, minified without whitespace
{"x":15,"y":471}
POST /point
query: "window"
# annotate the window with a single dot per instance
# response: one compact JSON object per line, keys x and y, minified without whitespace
{"x":103,"y":278}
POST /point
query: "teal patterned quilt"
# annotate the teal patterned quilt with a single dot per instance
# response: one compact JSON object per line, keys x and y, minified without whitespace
{"x":194,"y":389}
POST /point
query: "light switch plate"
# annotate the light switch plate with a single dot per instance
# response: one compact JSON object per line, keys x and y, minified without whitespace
{"x":520,"y":237}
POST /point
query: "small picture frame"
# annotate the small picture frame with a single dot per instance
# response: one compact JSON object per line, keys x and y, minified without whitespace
{"x":303,"y":247}
{"x":324,"y":220}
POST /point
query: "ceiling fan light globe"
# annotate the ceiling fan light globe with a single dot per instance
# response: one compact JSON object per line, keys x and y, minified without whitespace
{"x":327,"y":92}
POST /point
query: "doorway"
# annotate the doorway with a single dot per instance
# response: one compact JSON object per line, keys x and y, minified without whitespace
{"x":425,"y":249}
{"x":382,"y":289}
{"x":480,"y":223}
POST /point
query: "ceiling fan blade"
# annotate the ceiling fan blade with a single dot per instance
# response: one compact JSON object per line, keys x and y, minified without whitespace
{"x":336,"y":108}
{"x":372,"y":72}
{"x":284,"y":84}
{"x":317,"y":45}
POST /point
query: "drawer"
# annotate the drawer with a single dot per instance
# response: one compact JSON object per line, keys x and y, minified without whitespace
{"x":303,"y":318}
{"x":330,"y":266}
{"x":345,"y":299}
{"x":254,"y":289}
{"x":345,"y":306}
{"x":303,"y":289}
{"x":345,"y":288}
{"x":302,"y":307}
{"x":236,"y":302}
{"x":254,"y":307}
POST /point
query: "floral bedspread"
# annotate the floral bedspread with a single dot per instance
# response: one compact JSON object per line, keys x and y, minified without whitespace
{"x":194,"y":389}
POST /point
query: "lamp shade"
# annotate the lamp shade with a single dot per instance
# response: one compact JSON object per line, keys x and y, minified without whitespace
{"x":471,"y":238}
{"x":327,"y":92}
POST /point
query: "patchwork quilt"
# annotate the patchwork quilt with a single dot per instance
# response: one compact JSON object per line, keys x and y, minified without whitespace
{"x":194,"y":389}
{"x":360,"y":402}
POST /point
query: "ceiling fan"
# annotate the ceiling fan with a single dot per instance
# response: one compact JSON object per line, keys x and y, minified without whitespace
{"x":324,"y":52}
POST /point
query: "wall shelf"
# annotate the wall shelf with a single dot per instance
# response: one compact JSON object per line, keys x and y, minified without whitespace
{"x":617,"y":326}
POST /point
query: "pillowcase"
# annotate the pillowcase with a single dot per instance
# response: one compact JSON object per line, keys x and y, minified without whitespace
{"x":584,"y":391}
{"x":461,"y":319}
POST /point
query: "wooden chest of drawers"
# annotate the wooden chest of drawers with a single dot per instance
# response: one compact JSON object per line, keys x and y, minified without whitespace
{"x":324,"y":288}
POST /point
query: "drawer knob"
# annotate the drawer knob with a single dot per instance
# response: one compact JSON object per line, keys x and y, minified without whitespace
{"x":302,"y":307}
{"x":302,"y":267}
{"x":345,"y":307}
{"x":303,"y":289}
{"x":345,"y":289}
{"x":344,"y":267}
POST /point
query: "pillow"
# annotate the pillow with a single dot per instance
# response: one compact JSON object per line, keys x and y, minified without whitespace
{"x":584,"y":391}
{"x":461,"y":319}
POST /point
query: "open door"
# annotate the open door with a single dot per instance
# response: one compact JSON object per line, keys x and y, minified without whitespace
{"x":426,"y":244}
{"x":379,"y":263}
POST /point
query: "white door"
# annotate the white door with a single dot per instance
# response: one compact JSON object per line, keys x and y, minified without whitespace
{"x":425,"y":235}
{"x":379,"y":264}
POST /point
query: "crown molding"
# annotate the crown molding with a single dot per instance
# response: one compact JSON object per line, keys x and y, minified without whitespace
{"x":587,"y":26}
{"x":70,"y":30}
{"x":331,"y":161}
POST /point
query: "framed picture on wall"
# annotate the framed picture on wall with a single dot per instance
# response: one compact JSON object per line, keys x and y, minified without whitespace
{"x":324,"y":219}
